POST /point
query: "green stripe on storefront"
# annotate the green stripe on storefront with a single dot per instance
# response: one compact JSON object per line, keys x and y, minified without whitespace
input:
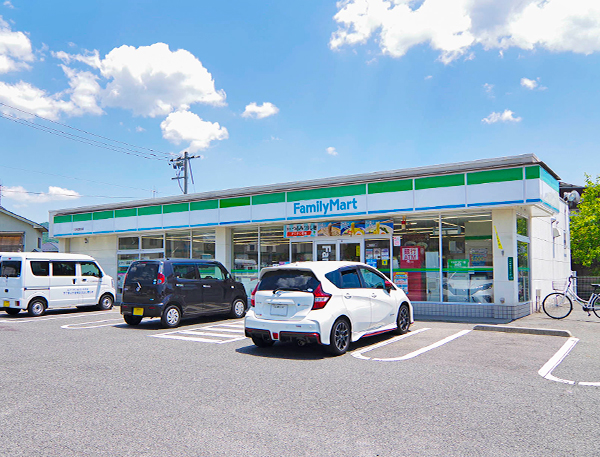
{"x":465,"y":270}
{"x":100,"y":215}
{"x":150,"y":210}
{"x":82,"y":217}
{"x":390,"y":186}
{"x":480,"y":237}
{"x":330,"y":192}
{"x":63,"y":219}
{"x":416,"y":270}
{"x":176,"y":208}
{"x":490,"y":176}
{"x":440,"y":181}
{"x":129,"y":212}
{"x":533,"y":172}
{"x":205,"y":204}
{"x":234,"y":202}
{"x":265,"y":199}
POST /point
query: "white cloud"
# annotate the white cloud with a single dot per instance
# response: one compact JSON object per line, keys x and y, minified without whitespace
{"x":259,"y":112}
{"x":24,"y":96}
{"x":140,"y":129}
{"x":15,"y":49}
{"x":506,"y":116}
{"x":20,"y":194}
{"x":331,"y":151}
{"x":529,"y":83}
{"x":186,"y":126}
{"x":84,"y":92}
{"x":428,"y":77}
{"x":489,"y":89}
{"x":8,"y":4}
{"x":452,"y":27}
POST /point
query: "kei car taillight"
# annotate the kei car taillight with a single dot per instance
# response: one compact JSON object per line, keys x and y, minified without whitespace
{"x":321,"y":298}
{"x":252,"y":302}
{"x":160,"y":278}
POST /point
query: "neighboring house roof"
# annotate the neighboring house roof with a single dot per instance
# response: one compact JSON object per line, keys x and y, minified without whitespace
{"x":35,"y":225}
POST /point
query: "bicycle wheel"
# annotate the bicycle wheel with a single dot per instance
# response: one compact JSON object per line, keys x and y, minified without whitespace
{"x":596,"y":307}
{"x":557,"y":305}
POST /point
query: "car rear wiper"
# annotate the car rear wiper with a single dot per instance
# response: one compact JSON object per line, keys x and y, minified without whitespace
{"x":288,"y":289}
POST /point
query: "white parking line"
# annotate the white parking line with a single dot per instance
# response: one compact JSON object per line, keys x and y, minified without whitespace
{"x":358,"y":354}
{"x":546,"y":371}
{"x":84,"y":325}
{"x":24,"y":320}
{"x":215,"y":334}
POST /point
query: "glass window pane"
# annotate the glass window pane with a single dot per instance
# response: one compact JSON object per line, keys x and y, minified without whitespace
{"x":177,"y":245}
{"x":90,"y":269}
{"x":377,"y":255}
{"x":416,"y":258}
{"x":372,"y":280}
{"x":350,"y":279}
{"x":129,"y":243}
{"x":210,"y":271}
{"x":302,"y":252}
{"x":10,"y":268}
{"x":152,"y":242}
{"x":467,"y":258}
{"x":522,"y":226}
{"x":63,"y":268}
{"x":185,"y":271}
{"x":245,"y":257}
{"x":523,"y":269}
{"x":326,"y":251}
{"x":274,"y":248}
{"x":40,"y":268}
{"x":123,"y":262}
{"x":203,"y":244}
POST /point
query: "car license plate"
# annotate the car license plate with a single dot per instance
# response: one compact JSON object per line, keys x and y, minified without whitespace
{"x":279,"y":310}
{"x":138,"y":311}
{"x":6,"y":303}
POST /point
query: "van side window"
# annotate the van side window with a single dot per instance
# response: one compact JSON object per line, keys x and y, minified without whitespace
{"x":185,"y":270}
{"x":90,"y":269}
{"x":63,"y":268}
{"x":40,"y":268}
{"x":210,"y":271}
{"x":10,"y":269}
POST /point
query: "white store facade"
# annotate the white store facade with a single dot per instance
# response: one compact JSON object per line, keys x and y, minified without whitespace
{"x":479,"y":239}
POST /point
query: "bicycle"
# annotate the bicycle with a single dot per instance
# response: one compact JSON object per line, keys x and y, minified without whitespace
{"x":558,"y":305}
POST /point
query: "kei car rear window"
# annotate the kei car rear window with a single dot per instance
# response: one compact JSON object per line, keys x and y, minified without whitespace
{"x":10,"y":268}
{"x":142,"y":272}
{"x":301,"y":280}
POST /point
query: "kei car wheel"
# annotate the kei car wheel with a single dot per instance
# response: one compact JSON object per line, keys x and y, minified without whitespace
{"x":12,"y":311}
{"x":339,"y":340}
{"x":262,"y":342}
{"x":171,"y":317}
{"x":106,"y":302}
{"x":131,"y":319}
{"x":238,"y":309}
{"x":36,"y":308}
{"x":403,"y":320}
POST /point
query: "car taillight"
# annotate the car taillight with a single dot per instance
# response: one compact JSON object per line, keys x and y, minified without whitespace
{"x":160,"y":278}
{"x":321,"y":298}
{"x":252,"y":302}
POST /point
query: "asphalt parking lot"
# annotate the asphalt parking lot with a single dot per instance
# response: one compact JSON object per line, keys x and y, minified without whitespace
{"x":84,"y":383}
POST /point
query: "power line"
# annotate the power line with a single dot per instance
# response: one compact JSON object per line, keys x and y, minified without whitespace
{"x":167,"y":155}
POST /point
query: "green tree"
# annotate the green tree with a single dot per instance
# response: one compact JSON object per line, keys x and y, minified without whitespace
{"x":585,"y":226}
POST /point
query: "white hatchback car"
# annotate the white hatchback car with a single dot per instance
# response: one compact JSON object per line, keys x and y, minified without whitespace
{"x":330,"y":303}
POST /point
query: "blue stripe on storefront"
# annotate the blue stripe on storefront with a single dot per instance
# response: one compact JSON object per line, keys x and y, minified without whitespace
{"x":390,"y":210}
{"x":176,"y":226}
{"x":149,"y":228}
{"x":269,"y":220}
{"x":440,"y":207}
{"x":496,"y":203}
{"x":234,"y":222}
{"x":204,"y":225}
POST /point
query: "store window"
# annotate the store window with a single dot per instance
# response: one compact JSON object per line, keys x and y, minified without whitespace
{"x":302,"y":252}
{"x":129,"y":243}
{"x":153,"y":242}
{"x":377,"y":254}
{"x":467,"y":260}
{"x":523,"y":276}
{"x":203,"y":244}
{"x":245,"y":257}
{"x":177,"y":245}
{"x":274,"y":248}
{"x":415,"y":262}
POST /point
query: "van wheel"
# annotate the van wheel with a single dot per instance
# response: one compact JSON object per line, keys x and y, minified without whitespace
{"x":12,"y":311}
{"x":238,"y":309}
{"x":36,"y":308}
{"x":171,"y":317}
{"x":131,"y":319}
{"x":106,"y":302}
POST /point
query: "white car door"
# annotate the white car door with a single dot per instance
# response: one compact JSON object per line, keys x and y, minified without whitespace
{"x":383,"y":304}
{"x":89,"y":278}
{"x":356,"y":299}
{"x":64,"y":289}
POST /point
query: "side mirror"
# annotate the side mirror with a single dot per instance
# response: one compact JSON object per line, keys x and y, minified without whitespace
{"x":389,"y":286}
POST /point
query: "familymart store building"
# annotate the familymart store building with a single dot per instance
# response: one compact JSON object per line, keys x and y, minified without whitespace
{"x":480,"y":239}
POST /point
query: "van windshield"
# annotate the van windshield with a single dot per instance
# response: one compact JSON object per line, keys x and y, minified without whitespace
{"x":142,"y":272}
{"x":10,"y":268}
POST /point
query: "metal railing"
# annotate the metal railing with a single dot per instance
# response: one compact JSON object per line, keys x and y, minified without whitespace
{"x":583,"y":285}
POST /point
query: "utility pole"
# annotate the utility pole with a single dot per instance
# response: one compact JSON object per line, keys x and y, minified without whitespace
{"x":183,"y":163}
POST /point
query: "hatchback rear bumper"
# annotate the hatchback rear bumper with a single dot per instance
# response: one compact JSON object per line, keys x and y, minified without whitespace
{"x":284,"y":337}
{"x":306,"y":330}
{"x":148,"y":310}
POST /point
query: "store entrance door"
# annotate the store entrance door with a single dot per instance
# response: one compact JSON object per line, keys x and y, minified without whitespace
{"x":350,"y":251}
{"x":326,"y":251}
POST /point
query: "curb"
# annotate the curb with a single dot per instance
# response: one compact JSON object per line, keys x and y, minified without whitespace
{"x":531,"y":331}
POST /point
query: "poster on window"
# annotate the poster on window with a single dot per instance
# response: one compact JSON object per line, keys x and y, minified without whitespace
{"x":379,"y":227}
{"x":401,"y":280}
{"x":292,"y":230}
{"x":478,"y":257}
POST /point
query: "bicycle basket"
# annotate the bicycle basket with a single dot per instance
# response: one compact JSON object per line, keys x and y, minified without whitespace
{"x":559,"y":285}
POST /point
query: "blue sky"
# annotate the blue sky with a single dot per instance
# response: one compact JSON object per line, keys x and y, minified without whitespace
{"x":270,"y":92}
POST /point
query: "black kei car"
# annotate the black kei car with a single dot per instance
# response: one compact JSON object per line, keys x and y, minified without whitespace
{"x":175,"y":289}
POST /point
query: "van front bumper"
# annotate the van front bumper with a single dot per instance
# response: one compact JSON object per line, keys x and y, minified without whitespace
{"x":135,"y":309}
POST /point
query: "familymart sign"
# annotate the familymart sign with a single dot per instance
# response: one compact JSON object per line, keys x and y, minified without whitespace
{"x":347,"y":206}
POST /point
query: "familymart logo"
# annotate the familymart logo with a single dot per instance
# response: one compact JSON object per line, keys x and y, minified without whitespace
{"x":328,"y":206}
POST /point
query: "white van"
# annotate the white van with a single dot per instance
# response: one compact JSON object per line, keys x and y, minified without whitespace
{"x":36,"y":281}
